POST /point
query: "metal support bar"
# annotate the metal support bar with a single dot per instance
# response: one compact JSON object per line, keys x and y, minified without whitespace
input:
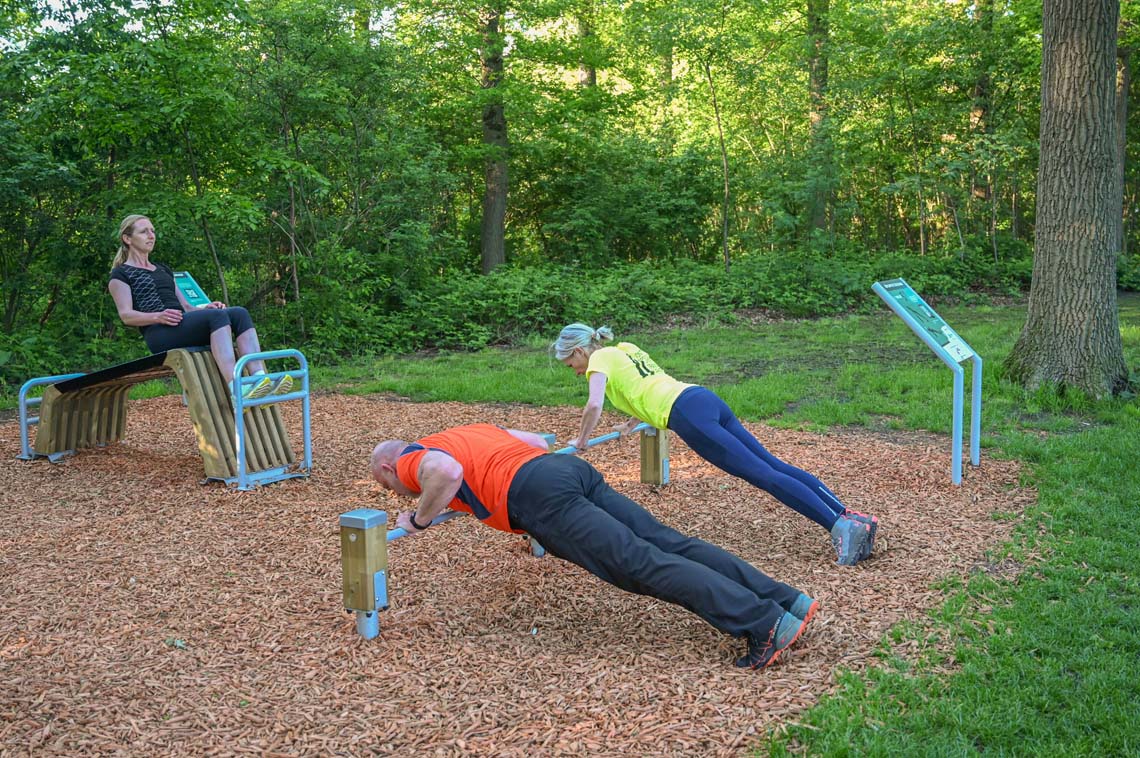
{"x":26,"y":421}
{"x":604,"y":438}
{"x":397,"y":533}
{"x":245,"y":480}
{"x":976,"y":413}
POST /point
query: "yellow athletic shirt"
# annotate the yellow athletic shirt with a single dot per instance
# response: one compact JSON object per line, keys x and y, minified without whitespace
{"x":635,"y":384}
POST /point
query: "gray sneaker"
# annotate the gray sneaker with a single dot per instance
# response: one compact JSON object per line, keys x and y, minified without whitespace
{"x":866,"y":518}
{"x":849,"y":538}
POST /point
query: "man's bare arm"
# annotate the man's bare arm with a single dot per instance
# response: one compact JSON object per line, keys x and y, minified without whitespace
{"x":530,"y":438}
{"x":440,"y":477}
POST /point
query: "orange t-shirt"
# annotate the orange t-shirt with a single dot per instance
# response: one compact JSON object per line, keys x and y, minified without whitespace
{"x":490,"y":457}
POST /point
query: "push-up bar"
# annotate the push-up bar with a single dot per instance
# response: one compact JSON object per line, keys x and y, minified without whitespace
{"x":364,"y":534}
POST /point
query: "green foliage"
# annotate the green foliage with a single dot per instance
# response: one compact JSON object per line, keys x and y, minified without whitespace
{"x":328,"y":174}
{"x":373,"y":304}
{"x":1128,"y":273}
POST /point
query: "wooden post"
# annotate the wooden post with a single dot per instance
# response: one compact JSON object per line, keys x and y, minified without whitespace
{"x":654,"y":456}
{"x":364,"y":563}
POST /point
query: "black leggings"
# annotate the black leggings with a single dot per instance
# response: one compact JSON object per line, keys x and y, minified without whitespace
{"x":196,"y":327}
{"x":565,"y":504}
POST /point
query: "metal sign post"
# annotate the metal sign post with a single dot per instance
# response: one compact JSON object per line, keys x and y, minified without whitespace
{"x":952,"y":350}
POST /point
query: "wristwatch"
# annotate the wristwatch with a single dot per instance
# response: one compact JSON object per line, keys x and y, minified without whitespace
{"x":412,"y":518}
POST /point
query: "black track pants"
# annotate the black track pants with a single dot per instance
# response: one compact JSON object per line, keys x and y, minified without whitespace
{"x":565,"y":504}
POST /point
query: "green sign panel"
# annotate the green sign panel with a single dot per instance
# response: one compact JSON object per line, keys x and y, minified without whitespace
{"x":922,"y":316}
{"x":190,"y":289}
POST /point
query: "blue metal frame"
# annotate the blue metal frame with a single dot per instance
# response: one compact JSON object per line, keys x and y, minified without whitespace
{"x":604,"y":438}
{"x":397,"y":533}
{"x":245,"y":480}
{"x":26,"y":403}
{"x":959,"y":382}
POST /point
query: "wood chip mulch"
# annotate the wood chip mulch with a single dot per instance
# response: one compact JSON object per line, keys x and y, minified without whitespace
{"x":143,"y":614}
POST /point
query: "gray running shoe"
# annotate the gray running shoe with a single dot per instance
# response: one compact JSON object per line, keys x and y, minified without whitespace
{"x":866,"y":518}
{"x":849,"y":538}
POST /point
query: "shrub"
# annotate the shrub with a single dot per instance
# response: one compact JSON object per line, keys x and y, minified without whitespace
{"x":362,"y":310}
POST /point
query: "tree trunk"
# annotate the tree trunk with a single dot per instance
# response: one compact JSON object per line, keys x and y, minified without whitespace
{"x":1123,"y":84}
{"x":724,"y":168}
{"x":665,"y":85}
{"x":980,"y":188}
{"x":199,"y":193}
{"x":819,"y":166}
{"x":587,"y":74}
{"x":917,"y":176}
{"x":1071,"y":338}
{"x":53,"y":301}
{"x":492,"y":233}
{"x":293,"y":258}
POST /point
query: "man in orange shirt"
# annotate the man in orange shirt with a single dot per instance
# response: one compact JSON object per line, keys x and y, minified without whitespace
{"x":508,"y":480}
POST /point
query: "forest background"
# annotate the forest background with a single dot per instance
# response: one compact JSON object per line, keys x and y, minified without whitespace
{"x":376,"y":178}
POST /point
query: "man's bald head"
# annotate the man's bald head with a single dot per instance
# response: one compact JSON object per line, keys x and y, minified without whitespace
{"x":385,"y":454}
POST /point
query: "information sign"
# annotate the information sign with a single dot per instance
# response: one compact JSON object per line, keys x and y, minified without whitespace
{"x":190,"y":289}
{"x":945,"y":337}
{"x":951,"y":350}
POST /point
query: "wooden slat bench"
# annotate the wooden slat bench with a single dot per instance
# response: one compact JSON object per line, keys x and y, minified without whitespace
{"x":89,"y":410}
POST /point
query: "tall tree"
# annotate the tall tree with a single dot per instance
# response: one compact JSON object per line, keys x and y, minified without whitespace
{"x":1123,"y":85}
{"x":819,"y":168}
{"x":492,"y":233}
{"x":1071,"y":337}
{"x":587,"y":71}
{"x":980,"y":189}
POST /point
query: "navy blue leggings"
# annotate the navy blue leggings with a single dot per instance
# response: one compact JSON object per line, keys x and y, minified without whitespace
{"x":564,"y":503}
{"x":196,"y":327}
{"x":711,"y":429}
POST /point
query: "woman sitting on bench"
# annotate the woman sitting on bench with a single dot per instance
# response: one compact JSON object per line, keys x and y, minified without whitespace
{"x":146,"y":297}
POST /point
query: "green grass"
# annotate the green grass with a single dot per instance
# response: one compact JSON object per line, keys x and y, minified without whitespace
{"x":1046,"y":663}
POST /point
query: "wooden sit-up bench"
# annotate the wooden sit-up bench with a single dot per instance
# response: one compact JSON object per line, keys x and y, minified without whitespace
{"x":89,"y":410}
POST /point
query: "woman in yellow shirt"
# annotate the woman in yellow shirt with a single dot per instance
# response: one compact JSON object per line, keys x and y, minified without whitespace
{"x":636,"y":385}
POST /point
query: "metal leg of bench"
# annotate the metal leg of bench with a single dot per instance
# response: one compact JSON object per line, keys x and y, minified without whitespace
{"x":26,"y":403}
{"x":245,"y":480}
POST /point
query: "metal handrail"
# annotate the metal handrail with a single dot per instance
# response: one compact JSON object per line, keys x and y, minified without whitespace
{"x":25,"y":403}
{"x":241,"y":403}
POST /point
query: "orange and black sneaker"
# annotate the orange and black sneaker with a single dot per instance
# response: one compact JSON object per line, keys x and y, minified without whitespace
{"x":761,"y":655}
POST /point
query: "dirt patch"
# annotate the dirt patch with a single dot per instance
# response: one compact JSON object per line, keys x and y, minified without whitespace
{"x":142,"y":613}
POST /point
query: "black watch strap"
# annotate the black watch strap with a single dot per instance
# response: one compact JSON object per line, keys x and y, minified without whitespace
{"x":412,"y":518}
